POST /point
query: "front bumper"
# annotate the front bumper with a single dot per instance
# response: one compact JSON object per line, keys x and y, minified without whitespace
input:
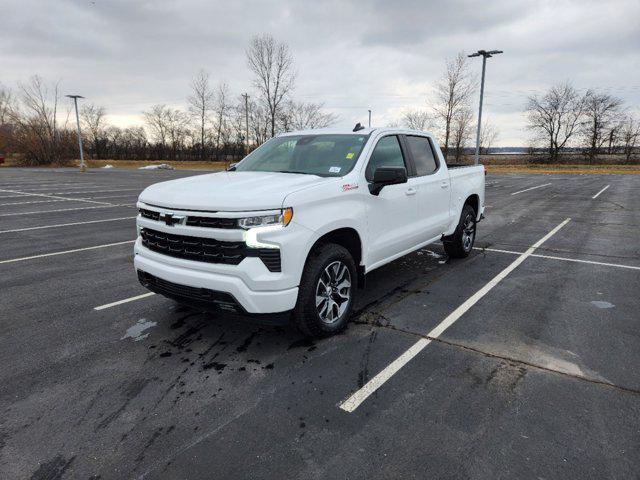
{"x":185,"y":273}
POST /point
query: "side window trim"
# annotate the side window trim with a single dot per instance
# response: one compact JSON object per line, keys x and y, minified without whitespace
{"x":435,"y":156}
{"x":405,"y":153}
{"x":409,"y":163}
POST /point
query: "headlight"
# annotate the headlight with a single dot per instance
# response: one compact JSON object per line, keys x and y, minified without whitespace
{"x":283,"y":218}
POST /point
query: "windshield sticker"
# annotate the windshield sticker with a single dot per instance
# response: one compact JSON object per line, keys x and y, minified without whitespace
{"x":335,"y":169}
{"x":349,"y":155}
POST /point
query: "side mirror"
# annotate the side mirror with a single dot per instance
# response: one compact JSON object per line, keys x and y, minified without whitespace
{"x":384,"y":176}
{"x":232,"y":167}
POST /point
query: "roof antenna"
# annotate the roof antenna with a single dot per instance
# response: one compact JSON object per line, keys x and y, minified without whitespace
{"x":358,"y":127}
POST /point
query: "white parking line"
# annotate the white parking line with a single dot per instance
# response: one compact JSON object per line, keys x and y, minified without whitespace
{"x":21,"y":194}
{"x":598,"y":194}
{"x":39,"y":187}
{"x":56,"y":197}
{"x":532,"y":188}
{"x":564,"y":259}
{"x":65,"y":252}
{"x":65,"y":225}
{"x":101,"y":191}
{"x":111,"y":205}
{"x":126,"y":300}
{"x":31,"y":203}
{"x":354,"y":401}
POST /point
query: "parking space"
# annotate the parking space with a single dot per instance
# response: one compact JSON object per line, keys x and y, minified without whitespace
{"x":517,"y":362}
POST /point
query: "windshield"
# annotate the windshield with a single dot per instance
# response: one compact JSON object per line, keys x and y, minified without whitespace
{"x":323,"y":155}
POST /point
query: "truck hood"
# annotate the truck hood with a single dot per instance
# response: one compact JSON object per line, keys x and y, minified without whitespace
{"x":229,"y":191}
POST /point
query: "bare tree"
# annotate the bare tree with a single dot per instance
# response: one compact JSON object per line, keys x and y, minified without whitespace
{"x":200,"y":104}
{"x":177,"y":130}
{"x":303,"y":116}
{"x":488,"y":136}
{"x":601,"y":111}
{"x":612,"y":135}
{"x":555,"y":117}
{"x":156,"y":119}
{"x":272,"y":65}
{"x":222,"y":112}
{"x":6,"y":104}
{"x":630,"y":136}
{"x":453,"y":93}
{"x":93,"y":119}
{"x":168,"y":127}
{"x":35,"y":123}
{"x":417,"y":120}
{"x":259,"y":123}
{"x":237,"y":121}
{"x":461,"y":130}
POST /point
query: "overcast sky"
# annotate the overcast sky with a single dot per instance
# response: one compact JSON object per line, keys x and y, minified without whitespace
{"x":350,"y":55}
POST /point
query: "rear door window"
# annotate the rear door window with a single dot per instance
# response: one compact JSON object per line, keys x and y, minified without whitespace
{"x":423,"y":156}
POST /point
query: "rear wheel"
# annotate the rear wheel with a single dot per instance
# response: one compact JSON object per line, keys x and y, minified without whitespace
{"x":460,"y":243}
{"x":326,"y":293}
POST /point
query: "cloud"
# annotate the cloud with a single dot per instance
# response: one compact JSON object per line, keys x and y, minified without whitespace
{"x":351,"y":55}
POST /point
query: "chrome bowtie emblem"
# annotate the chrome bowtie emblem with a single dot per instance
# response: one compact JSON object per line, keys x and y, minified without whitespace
{"x":170,"y":219}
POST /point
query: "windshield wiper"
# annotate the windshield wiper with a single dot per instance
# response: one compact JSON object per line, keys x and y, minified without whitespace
{"x":295,"y":171}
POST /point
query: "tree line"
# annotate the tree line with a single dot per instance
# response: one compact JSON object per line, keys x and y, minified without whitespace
{"x":559,"y":120}
{"x":216,"y":124}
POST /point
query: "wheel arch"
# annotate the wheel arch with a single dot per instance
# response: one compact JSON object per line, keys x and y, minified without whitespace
{"x":350,"y":239}
{"x":474,"y":201}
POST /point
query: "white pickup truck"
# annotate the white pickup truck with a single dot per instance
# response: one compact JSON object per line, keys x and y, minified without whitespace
{"x":298,"y":223}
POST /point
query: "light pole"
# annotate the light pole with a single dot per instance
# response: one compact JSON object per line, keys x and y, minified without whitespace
{"x":83,"y":167}
{"x":369,"y":118}
{"x":485,"y":54}
{"x":246,"y":119}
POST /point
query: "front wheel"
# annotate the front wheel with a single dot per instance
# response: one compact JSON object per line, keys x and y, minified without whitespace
{"x":460,"y":243}
{"x":326,"y":293}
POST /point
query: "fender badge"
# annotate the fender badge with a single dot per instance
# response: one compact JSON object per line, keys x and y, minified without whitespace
{"x":349,"y":186}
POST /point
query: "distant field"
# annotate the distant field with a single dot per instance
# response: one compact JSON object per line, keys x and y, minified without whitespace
{"x":185,"y":165}
{"x":573,"y":169}
{"x":574,"y":164}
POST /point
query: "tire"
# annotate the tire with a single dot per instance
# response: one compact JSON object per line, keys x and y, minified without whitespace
{"x":327,"y":292}
{"x":460,"y":243}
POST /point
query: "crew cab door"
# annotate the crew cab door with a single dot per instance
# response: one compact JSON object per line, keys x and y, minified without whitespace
{"x":433,"y":184}
{"x":392,"y":215}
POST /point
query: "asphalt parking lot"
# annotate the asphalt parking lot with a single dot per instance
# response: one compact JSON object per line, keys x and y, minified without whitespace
{"x":535,"y":375}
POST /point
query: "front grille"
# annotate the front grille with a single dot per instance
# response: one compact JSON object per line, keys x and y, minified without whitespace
{"x":222,"y":300}
{"x":207,"y":249}
{"x":150,"y":214}
{"x":193,"y":248}
{"x":195,"y":221}
{"x":211,"y":222}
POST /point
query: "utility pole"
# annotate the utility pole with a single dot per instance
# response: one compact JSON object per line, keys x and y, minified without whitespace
{"x":369,"y":118}
{"x":246,"y":119}
{"x":83,"y":167}
{"x":485,"y":54}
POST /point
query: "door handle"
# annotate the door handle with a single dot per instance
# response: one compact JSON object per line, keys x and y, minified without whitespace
{"x":444,"y":184}
{"x":411,"y":191}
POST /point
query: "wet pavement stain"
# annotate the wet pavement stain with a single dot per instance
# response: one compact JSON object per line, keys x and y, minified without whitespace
{"x":303,"y":342}
{"x":53,"y":469}
{"x":219,"y":367}
{"x":363,"y":375}
{"x":130,"y":391}
{"x":245,"y":344}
